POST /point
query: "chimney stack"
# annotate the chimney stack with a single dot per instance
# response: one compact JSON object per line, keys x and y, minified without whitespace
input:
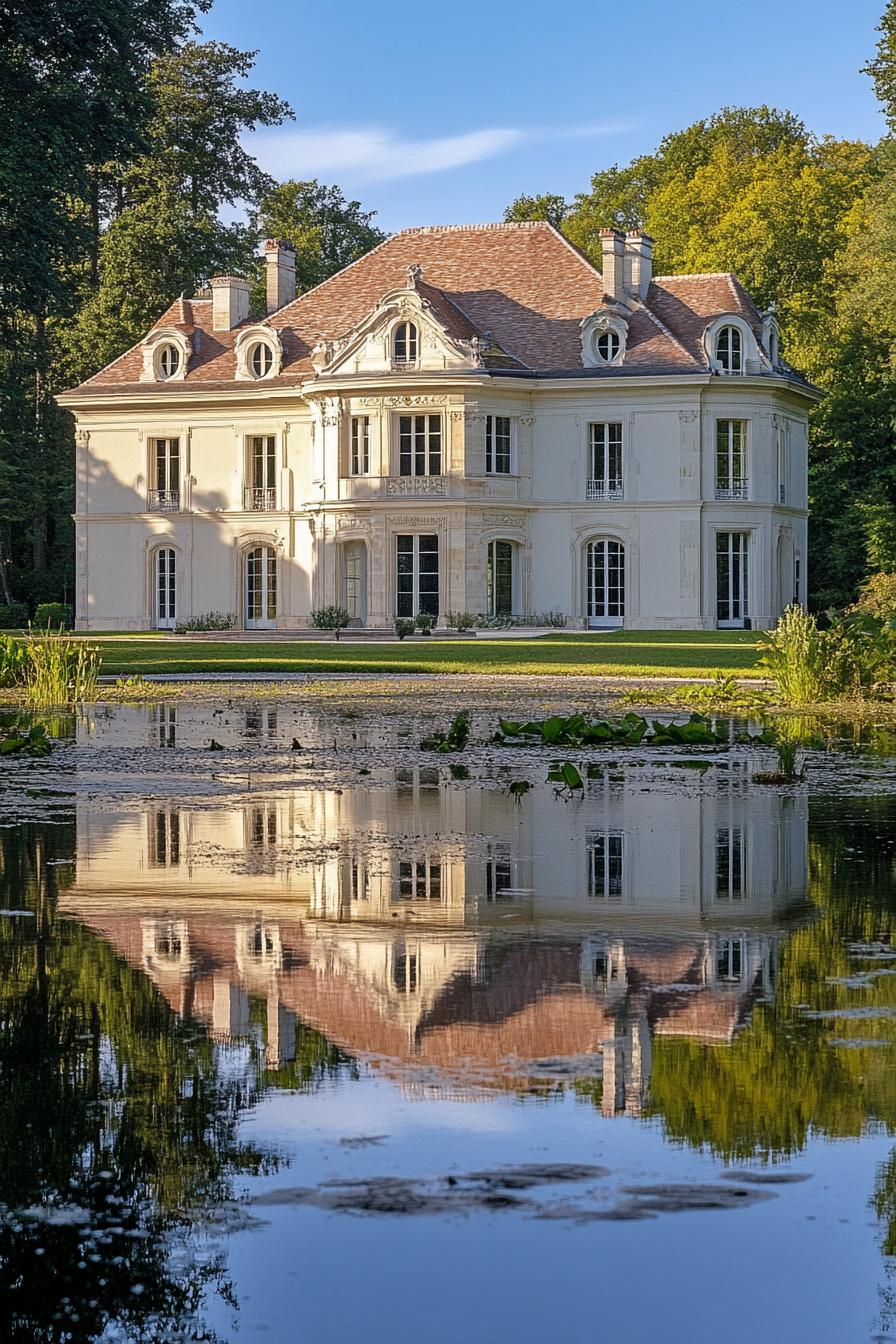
{"x":230,"y":301}
{"x":280,"y":273}
{"x":612,"y":243}
{"x":638,"y":263}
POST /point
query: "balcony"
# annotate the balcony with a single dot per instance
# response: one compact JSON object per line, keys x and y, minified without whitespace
{"x":163,"y":501}
{"x":417,"y":486}
{"x":611,"y":489}
{"x":739,"y":489}
{"x":259,"y":499}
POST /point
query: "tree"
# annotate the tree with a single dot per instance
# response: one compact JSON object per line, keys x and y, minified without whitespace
{"x":524,"y":209}
{"x":883,"y":68}
{"x":327,"y":231}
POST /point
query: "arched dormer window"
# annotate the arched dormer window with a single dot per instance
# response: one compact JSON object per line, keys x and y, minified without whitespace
{"x":405,"y":343}
{"x":603,"y":340}
{"x":166,"y":354}
{"x":729,"y":350}
{"x":258,"y":353}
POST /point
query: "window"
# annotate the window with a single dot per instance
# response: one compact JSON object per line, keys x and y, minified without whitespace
{"x":605,"y":850}
{"x":608,"y":346}
{"x":732,"y":587}
{"x":499,"y":875}
{"x":261,"y":359}
{"x":359,"y":881}
{"x":419,"y":880}
{"x":420,"y":445}
{"x":417,"y":575}
{"x":163,"y":725}
{"x":497,"y":445}
{"x":730,"y":960}
{"x":164,"y":839}
{"x":261,"y":493}
{"x":731,"y":459}
{"x":404,"y":344}
{"x":404,"y":970}
{"x":359,"y":456}
{"x":729,"y":350}
{"x":796,"y":580}
{"x":605,"y":582}
{"x":605,"y":465}
{"x":261,"y":587}
{"x":261,"y":826}
{"x":169,"y":361}
{"x":165,"y":585}
{"x":781,"y":447}
{"x":500,"y":578}
{"x":164,"y":497}
{"x":731,"y":863}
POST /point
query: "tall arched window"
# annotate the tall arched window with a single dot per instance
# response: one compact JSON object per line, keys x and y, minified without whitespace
{"x":500,"y":578}
{"x":164,"y":588}
{"x":404,"y":344}
{"x":260,"y":587}
{"x":729,"y":350}
{"x":605,"y":582}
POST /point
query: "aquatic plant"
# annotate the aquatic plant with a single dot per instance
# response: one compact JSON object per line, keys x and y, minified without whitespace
{"x":18,"y":738}
{"x":13,"y":661}
{"x":723,"y":695}
{"x":630,"y":731}
{"x":566,"y":775}
{"x":58,"y":670}
{"x":854,"y":656}
{"x":455,"y":739}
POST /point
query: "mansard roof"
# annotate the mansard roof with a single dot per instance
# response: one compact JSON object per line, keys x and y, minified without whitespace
{"x":522,"y":289}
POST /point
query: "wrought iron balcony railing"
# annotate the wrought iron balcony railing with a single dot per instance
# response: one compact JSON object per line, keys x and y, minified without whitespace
{"x":259,"y":499}
{"x":163,"y":501}
{"x":739,"y":489}
{"x":604,"y":490}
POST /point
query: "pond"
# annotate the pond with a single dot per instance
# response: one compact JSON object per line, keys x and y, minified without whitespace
{"x":308,"y":1034}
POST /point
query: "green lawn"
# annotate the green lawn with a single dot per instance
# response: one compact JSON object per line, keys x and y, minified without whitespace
{"x":635,"y":653}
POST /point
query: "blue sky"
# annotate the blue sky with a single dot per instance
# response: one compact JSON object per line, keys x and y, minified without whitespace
{"x":442,"y":114}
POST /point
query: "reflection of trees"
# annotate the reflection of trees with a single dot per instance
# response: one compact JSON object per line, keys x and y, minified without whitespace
{"x":116,"y":1125}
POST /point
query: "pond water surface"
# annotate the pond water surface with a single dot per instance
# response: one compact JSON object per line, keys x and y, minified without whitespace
{"x":308,"y":1035}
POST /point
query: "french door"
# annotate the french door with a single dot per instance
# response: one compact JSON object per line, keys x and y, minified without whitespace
{"x":354,"y":580}
{"x":261,"y":588}
{"x":165,"y":589}
{"x":732,"y":578}
{"x":417,"y":575}
{"x":165,"y":497}
{"x":500,"y":578}
{"x":605,"y":582}
{"x":263,"y":464}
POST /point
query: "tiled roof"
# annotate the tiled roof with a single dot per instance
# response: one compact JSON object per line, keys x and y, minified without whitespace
{"x":524,"y":285}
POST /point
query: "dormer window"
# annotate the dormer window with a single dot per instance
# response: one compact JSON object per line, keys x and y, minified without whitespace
{"x":261,"y":359}
{"x":404,"y":344}
{"x":169,"y":361}
{"x":729,"y":350}
{"x":608,"y":346}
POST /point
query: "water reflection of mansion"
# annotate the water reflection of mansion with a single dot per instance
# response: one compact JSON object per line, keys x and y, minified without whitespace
{"x":454,"y":929}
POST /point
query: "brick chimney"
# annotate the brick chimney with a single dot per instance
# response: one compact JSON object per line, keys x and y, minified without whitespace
{"x":230,"y":301}
{"x":638,"y":263}
{"x":280,"y":273}
{"x":612,"y":244}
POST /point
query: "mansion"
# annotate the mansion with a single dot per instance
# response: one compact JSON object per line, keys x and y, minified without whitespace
{"x":467,"y":419}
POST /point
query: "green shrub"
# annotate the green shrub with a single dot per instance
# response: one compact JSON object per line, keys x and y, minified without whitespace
{"x":211,"y":620}
{"x":53,"y":616}
{"x":424,"y":622}
{"x":877,"y":597}
{"x":13,"y":616}
{"x":404,"y":627}
{"x":330,"y":618}
{"x":553,"y":619}
{"x":856,"y":653}
{"x":460,"y":620}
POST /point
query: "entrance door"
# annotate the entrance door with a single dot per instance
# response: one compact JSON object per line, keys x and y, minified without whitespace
{"x":605,"y":583}
{"x":354,"y":580}
{"x":261,"y":588}
{"x":165,"y":587}
{"x":500,"y":578}
{"x":732,"y":585}
{"x":417,"y":575}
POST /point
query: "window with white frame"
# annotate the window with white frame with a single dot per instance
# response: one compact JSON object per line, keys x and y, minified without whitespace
{"x":419,"y":880}
{"x":261,"y":359}
{"x":499,"y":875}
{"x":163,"y":835}
{"x":730,"y":350}
{"x":417,"y":575}
{"x":420,"y":445}
{"x":164,"y":494}
{"x":498,"y":445}
{"x":169,"y":361}
{"x":781,"y":453}
{"x":731,"y":863}
{"x":499,"y":578}
{"x":730,"y":960}
{"x":405,"y":971}
{"x":605,"y":460}
{"x":731,"y":459}
{"x":605,"y":865}
{"x":359,"y":447}
{"x":405,"y":341}
{"x":261,"y":491}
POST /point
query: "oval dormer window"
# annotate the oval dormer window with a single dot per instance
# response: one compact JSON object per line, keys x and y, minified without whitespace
{"x":261,"y":360}
{"x":608,"y":346}
{"x":729,"y":350}
{"x":169,"y":361}
{"x":404,"y":343}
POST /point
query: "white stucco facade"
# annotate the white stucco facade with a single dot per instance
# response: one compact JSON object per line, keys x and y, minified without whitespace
{"x":647,"y":497}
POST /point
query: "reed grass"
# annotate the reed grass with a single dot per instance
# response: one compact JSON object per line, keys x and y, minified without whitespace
{"x":49,"y":669}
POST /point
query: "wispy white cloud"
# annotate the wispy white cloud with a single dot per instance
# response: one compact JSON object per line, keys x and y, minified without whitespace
{"x":375,"y":154}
